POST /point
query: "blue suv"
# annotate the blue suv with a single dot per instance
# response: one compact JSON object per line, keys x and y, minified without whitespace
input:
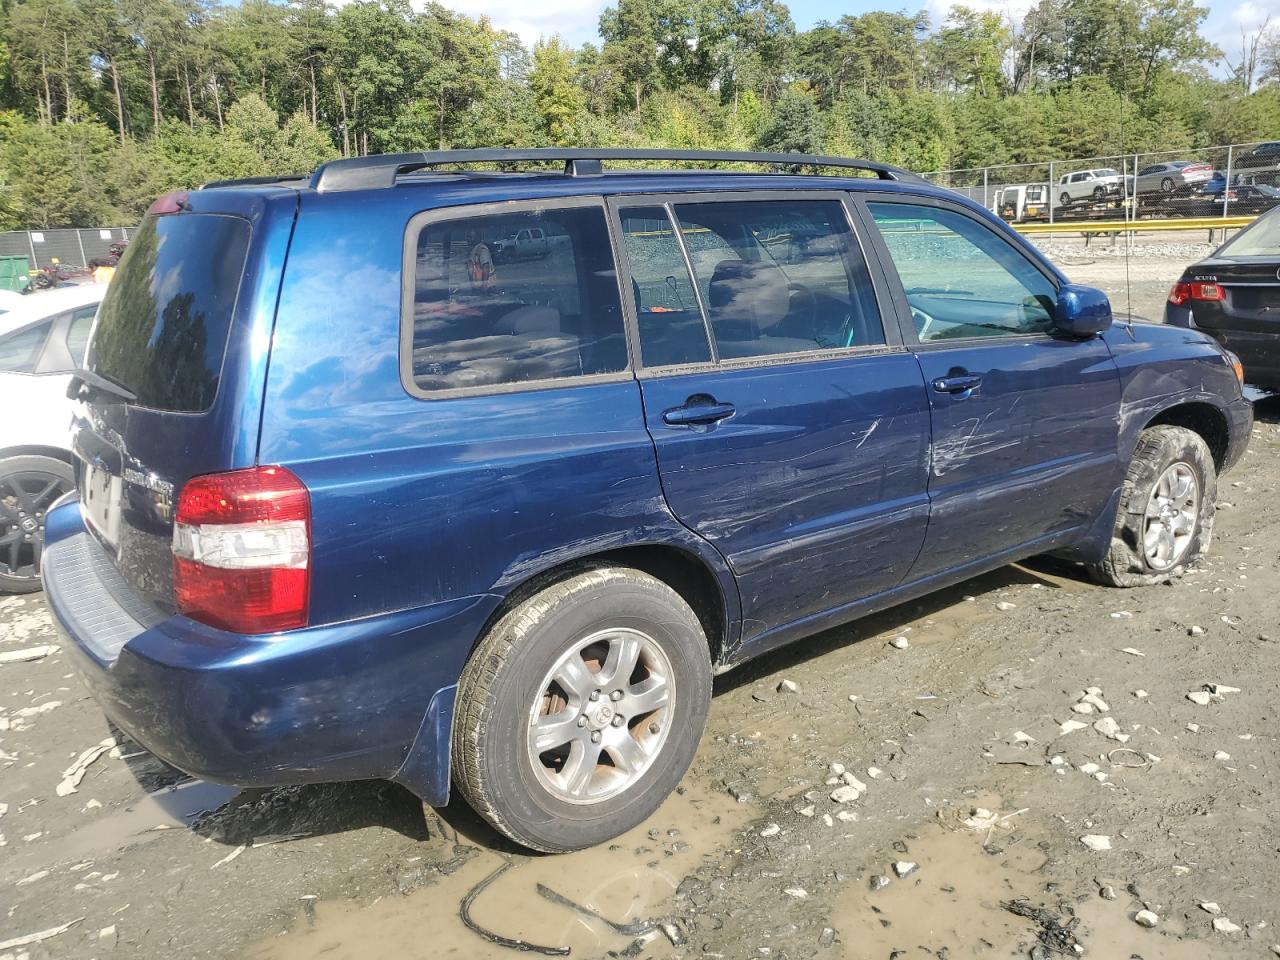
{"x":358,"y":497}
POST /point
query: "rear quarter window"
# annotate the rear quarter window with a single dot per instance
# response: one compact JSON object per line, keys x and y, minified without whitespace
{"x":163,"y":325}
{"x":482,"y":316}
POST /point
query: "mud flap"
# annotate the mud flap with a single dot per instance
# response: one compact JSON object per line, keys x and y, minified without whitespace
{"x":426,"y":769}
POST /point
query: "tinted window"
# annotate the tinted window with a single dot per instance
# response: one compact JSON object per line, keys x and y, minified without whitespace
{"x":671,"y":326}
{"x":779,"y":277}
{"x":1261,"y":239}
{"x":78,"y":332}
{"x":489,"y":309}
{"x":163,"y":325}
{"x":19,"y":351}
{"x":962,"y":279}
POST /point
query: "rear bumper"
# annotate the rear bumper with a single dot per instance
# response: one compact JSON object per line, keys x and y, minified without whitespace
{"x":365,"y":699}
{"x":1240,"y":426}
{"x":1259,"y":354}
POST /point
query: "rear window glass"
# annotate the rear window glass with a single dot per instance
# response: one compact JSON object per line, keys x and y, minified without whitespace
{"x":18,"y":351}
{"x":513,"y":298}
{"x":1262,"y":239}
{"x":162,"y":329}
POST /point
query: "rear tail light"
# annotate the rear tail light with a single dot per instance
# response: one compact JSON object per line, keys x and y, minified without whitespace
{"x":242,"y":550}
{"x":1183,"y":291}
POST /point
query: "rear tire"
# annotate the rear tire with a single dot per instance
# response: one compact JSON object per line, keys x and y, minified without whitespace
{"x":535,"y":755}
{"x":1066,"y":199}
{"x":28,"y":485}
{"x":1165,"y":521}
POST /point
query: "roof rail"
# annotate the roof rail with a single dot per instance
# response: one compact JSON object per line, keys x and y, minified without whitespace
{"x":299,"y":178}
{"x":359,"y":173}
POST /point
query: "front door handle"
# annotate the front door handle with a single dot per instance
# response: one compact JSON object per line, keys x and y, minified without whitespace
{"x":696,"y":412}
{"x":965,"y":384}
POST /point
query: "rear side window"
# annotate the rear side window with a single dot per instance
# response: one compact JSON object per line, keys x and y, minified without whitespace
{"x":19,"y":351}
{"x":78,"y":332}
{"x":514,"y":298}
{"x":162,"y":328}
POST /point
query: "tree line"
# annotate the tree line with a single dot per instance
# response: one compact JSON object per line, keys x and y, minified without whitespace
{"x":106,"y":103}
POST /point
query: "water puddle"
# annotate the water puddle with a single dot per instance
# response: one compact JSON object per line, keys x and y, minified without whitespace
{"x":625,"y":882}
{"x":952,"y":907}
{"x":142,"y":821}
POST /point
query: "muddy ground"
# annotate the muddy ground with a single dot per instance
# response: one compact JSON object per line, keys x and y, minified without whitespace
{"x":957,"y":738}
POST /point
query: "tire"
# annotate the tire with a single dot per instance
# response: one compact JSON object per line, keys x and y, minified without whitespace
{"x":1099,"y":193}
{"x":1163,"y":453}
{"x":534,"y":798}
{"x":28,"y":485}
{"x":1065,"y":199}
{"x":1166,"y":185}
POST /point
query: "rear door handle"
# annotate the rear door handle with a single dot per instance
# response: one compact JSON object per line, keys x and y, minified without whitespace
{"x":961,"y":384}
{"x":692,"y":414}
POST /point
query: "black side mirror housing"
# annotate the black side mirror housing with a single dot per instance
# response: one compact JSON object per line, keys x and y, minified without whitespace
{"x":1081,"y":311}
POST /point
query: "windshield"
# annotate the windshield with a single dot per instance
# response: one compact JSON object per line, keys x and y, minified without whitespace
{"x":1260,"y":240}
{"x":162,"y":330}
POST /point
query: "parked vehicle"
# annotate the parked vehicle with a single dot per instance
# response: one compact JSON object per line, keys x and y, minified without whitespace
{"x":1241,"y":199}
{"x":59,"y":274}
{"x":1262,"y":163}
{"x":1234,"y":296}
{"x":503,"y":533}
{"x":42,"y":340}
{"x":1095,"y":185}
{"x":1023,"y":203}
{"x":527,"y":244}
{"x":1172,"y":178}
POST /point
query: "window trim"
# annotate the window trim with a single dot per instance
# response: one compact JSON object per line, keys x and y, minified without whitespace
{"x":408,"y":283}
{"x":881,"y":292}
{"x":908,"y":328}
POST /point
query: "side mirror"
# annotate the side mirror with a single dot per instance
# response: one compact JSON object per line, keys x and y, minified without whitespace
{"x":1081,"y":311}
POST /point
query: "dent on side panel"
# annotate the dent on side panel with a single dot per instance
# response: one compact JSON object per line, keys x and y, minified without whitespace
{"x":1160,"y":367}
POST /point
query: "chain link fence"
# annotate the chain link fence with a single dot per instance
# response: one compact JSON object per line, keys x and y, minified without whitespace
{"x":1238,"y":180}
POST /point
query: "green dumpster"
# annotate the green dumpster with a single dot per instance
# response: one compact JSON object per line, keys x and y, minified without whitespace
{"x":14,"y":273}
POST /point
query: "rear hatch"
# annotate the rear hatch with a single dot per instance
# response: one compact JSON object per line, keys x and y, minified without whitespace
{"x":1249,"y":299}
{"x":179,"y":332}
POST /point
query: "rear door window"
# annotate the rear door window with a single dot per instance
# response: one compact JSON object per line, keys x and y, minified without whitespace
{"x":163,"y":325}
{"x":482,"y":320}
{"x":770,"y":278}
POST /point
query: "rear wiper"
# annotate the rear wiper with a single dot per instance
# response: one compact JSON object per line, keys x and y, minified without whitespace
{"x":96,"y":381}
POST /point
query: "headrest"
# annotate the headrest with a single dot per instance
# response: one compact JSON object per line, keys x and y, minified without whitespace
{"x":751,"y":290}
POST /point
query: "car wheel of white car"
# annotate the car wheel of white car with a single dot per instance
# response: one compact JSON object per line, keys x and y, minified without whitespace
{"x":1166,"y":185}
{"x":1065,"y":199}
{"x":29,"y":485}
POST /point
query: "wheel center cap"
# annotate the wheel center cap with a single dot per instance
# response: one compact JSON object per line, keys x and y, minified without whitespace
{"x":29,"y":524}
{"x":600,"y":715}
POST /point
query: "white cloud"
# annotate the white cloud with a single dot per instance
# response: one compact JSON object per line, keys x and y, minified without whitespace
{"x":1009,"y":9}
{"x":575,"y":21}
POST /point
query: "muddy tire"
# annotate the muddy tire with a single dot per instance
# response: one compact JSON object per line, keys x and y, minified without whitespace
{"x":1165,"y":521}
{"x":581,"y":709}
{"x":28,"y":487}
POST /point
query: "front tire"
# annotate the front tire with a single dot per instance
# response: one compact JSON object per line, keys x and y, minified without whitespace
{"x":581,"y":709}
{"x":29,"y":485}
{"x":1165,"y":521}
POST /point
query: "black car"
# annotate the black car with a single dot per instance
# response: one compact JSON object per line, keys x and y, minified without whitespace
{"x":1234,"y":296}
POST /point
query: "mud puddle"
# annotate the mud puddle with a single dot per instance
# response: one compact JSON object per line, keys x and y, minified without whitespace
{"x":145,"y":820}
{"x":626,"y":883}
{"x":954,"y":906}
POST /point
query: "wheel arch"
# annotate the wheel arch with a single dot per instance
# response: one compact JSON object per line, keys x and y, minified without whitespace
{"x":36,"y":450}
{"x":1203,"y":419}
{"x":703,"y":582}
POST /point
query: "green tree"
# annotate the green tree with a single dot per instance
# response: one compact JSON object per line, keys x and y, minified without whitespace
{"x":556,"y":96}
{"x":794,"y":127}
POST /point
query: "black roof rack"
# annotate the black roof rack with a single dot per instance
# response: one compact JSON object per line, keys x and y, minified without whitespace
{"x":359,"y":173}
{"x":298,"y":178}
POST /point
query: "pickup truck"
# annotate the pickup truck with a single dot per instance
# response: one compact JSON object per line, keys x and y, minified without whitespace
{"x":529,"y":243}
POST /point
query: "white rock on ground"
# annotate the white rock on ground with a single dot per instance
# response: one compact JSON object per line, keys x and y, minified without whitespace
{"x":1005,"y":606}
{"x":899,"y":643}
{"x":904,"y":868}
{"x":1096,"y":842}
{"x":1224,"y":925}
{"x":1208,"y":906}
{"x":1108,"y":727}
{"x":1145,"y":918}
{"x":1202,"y":697}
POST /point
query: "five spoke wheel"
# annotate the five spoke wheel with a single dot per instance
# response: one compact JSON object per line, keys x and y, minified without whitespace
{"x":1171,"y":514}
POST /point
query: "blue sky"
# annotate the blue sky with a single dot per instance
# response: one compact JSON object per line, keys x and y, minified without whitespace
{"x":575,"y":20}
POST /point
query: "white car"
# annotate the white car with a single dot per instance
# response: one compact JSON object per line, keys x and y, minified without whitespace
{"x":1096,"y":185}
{"x":42,"y":341}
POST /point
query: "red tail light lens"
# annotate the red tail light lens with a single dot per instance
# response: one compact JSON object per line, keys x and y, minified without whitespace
{"x":1183,"y":291}
{"x":242,"y":550}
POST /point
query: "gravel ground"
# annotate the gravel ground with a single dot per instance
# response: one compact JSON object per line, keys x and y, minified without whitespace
{"x":965,"y":823}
